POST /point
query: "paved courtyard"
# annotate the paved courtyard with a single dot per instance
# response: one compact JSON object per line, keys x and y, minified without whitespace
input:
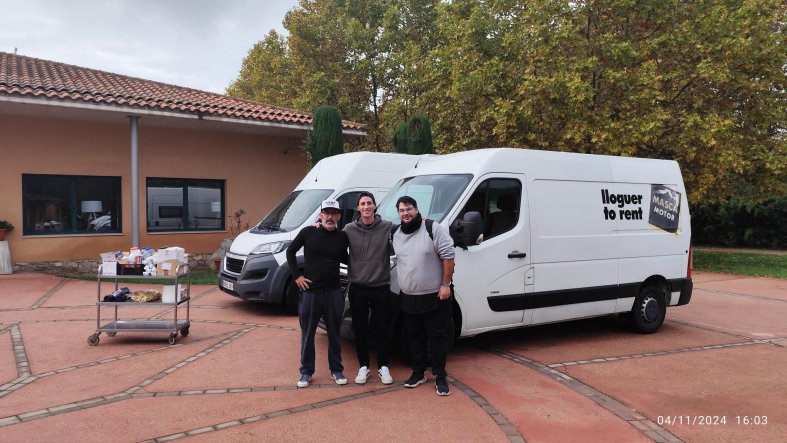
{"x":714,"y":372}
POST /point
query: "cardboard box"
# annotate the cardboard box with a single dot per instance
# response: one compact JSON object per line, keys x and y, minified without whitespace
{"x":169,"y":267}
{"x":172,"y":253}
{"x":108,"y":264}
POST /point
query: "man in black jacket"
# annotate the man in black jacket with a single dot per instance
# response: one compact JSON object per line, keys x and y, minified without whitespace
{"x":324,"y":247}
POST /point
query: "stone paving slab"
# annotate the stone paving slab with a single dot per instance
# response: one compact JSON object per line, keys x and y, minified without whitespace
{"x":242,"y":363}
{"x":601,"y":338}
{"x":420,"y":415}
{"x":73,"y":293}
{"x":739,"y":381}
{"x":252,"y":314}
{"x":543,"y":409}
{"x":734,"y":314}
{"x":86,"y":382}
{"x":71,"y":313}
{"x":23,"y":290}
{"x":7,"y":362}
{"x":52,"y":346}
{"x":750,"y":286}
{"x":140,"y":419}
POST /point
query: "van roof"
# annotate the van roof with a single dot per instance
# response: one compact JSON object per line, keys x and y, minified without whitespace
{"x":537,"y":164}
{"x":358,"y":170}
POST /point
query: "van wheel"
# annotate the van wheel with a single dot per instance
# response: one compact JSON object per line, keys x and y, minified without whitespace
{"x":291,"y":297}
{"x":650,"y":309}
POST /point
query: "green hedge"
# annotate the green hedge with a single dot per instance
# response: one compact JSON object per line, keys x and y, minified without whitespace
{"x":741,"y":224}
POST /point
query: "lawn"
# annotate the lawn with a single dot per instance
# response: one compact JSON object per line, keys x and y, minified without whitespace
{"x":757,"y":263}
{"x":197,"y":278}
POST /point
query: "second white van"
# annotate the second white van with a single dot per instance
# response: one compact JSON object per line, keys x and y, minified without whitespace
{"x":255,"y":267}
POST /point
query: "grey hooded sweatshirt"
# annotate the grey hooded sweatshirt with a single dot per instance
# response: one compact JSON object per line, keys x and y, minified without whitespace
{"x":370,"y":252}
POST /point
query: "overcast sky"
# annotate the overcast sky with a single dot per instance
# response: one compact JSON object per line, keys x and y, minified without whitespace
{"x":194,"y":43}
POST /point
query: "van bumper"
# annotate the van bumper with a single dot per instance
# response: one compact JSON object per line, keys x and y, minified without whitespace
{"x":686,"y":286}
{"x":261,"y":279}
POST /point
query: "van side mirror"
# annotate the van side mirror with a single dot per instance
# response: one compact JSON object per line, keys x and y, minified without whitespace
{"x":466,"y":232}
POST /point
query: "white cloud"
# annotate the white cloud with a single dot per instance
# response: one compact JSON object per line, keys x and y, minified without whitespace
{"x":193,"y":43}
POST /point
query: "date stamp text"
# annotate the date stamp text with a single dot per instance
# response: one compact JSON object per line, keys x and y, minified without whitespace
{"x":712,"y":420}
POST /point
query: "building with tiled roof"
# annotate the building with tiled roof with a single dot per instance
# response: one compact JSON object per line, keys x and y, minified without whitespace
{"x":94,"y":161}
{"x":58,"y":84}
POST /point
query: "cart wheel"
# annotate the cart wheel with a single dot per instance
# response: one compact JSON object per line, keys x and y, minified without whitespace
{"x":93,"y":340}
{"x":112,"y":334}
{"x":172,"y":338}
{"x":184,"y":332}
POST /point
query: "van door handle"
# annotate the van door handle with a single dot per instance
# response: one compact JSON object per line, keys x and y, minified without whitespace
{"x":516,"y":254}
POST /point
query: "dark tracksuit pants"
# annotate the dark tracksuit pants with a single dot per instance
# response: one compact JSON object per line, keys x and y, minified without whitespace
{"x":312,"y":305}
{"x":376,"y":299}
{"x":428,"y":332}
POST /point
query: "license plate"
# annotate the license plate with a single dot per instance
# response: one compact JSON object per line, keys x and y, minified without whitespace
{"x":227,"y":285}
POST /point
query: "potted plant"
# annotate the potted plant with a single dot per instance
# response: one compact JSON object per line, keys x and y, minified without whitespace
{"x":5,"y":227}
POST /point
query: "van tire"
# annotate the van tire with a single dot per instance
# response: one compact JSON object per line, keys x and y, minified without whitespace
{"x":650,"y":309}
{"x":291,"y":297}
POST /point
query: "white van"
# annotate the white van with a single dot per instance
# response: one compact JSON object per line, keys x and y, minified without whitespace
{"x":544,"y":237}
{"x":255,"y":267}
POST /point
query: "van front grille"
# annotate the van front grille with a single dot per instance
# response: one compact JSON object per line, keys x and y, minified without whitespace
{"x":234,"y":265}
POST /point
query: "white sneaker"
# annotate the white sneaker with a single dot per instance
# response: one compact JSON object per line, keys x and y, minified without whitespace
{"x":363,"y":375}
{"x":385,"y":375}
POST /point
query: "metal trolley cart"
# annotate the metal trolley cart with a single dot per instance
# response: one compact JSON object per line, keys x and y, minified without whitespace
{"x":174,"y":326}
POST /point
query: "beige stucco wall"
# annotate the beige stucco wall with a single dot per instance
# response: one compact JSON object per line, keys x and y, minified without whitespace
{"x":258,"y":170}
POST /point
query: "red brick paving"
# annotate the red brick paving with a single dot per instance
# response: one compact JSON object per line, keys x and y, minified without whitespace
{"x":232,"y":378}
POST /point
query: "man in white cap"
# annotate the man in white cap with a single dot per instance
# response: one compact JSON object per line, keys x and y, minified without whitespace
{"x":324,"y":248}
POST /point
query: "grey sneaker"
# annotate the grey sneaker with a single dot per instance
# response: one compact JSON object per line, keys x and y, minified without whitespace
{"x":339,"y":378}
{"x":385,"y":375}
{"x":415,"y":380}
{"x":363,"y":375}
{"x":442,"y":386}
{"x":304,"y":381}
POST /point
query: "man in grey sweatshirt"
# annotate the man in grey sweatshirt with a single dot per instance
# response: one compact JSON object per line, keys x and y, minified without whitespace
{"x":370,"y":277}
{"x":425,"y":269}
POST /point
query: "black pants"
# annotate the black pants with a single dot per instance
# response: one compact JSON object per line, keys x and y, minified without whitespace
{"x":330,"y":305}
{"x":428,"y":334}
{"x":376,"y":299}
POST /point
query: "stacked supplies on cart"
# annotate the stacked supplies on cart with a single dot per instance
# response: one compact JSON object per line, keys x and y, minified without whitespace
{"x":144,"y":261}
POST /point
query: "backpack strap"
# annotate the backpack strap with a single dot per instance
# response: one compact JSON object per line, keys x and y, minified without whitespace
{"x":429,"y":222}
{"x":394,"y":228}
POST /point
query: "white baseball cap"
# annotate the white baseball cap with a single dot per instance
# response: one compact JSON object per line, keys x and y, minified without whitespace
{"x":329,"y":204}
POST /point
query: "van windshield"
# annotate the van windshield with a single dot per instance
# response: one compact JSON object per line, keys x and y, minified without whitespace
{"x":293,"y":210}
{"x":435,"y":195}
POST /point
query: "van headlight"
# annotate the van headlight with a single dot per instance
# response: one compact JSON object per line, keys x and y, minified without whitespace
{"x":270,"y":248}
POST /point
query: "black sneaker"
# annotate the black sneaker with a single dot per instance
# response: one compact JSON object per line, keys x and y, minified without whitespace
{"x":415,"y":380}
{"x":442,"y":386}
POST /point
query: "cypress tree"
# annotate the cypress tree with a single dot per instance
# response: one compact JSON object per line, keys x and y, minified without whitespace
{"x":325,"y":138}
{"x":420,"y":135}
{"x":400,"y":138}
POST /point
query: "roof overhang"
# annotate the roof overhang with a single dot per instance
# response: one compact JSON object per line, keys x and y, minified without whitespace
{"x":73,"y":110}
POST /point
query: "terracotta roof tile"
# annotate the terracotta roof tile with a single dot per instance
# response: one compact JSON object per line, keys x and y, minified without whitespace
{"x":27,"y":76}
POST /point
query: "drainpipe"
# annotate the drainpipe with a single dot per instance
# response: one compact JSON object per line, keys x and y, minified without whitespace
{"x":134,"y":120}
